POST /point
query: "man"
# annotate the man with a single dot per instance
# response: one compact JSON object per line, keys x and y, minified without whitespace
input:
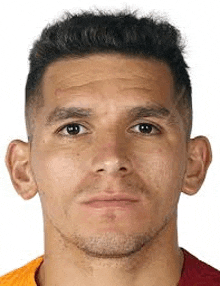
{"x":108,"y":113}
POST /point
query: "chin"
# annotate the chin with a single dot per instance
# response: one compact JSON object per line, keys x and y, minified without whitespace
{"x":111,"y":244}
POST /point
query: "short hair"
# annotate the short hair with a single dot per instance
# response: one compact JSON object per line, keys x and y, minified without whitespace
{"x":79,"y":35}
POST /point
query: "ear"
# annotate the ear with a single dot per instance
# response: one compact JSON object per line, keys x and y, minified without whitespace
{"x":18,"y":163}
{"x":199,"y":159}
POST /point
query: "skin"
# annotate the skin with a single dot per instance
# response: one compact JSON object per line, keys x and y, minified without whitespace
{"x":122,"y":244}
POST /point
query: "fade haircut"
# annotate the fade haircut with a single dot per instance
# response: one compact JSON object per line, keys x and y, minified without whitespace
{"x":79,"y":35}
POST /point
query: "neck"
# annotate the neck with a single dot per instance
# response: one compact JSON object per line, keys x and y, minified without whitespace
{"x":158,"y":263}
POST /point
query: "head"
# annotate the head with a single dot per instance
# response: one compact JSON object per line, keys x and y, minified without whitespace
{"x":78,"y":36}
{"x":109,"y":114}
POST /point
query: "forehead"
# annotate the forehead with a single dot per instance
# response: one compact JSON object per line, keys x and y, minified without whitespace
{"x":107,"y":79}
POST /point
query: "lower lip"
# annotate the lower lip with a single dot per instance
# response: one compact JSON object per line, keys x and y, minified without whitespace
{"x":110,"y":204}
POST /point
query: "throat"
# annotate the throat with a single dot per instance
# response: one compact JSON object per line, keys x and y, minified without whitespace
{"x":138,"y":269}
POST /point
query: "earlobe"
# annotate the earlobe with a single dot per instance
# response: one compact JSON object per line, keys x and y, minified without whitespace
{"x":199,"y":159}
{"x":18,"y":163}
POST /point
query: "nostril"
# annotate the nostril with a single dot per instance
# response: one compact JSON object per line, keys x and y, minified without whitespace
{"x":113,"y":166}
{"x":123,"y":169}
{"x":120,"y":169}
{"x":100,"y":170}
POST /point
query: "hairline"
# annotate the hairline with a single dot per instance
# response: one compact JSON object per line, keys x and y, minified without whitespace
{"x":36,"y":101}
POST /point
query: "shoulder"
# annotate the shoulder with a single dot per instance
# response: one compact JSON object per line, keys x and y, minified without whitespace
{"x":22,"y":276}
{"x":197,"y":273}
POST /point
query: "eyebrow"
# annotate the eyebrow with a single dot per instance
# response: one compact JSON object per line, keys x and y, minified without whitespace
{"x":62,"y":113}
{"x":149,"y":111}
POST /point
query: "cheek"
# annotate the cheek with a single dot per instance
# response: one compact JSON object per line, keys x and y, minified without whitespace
{"x":162,"y":173}
{"x":54,"y":169}
{"x":57,"y":174}
{"x":162,"y":170}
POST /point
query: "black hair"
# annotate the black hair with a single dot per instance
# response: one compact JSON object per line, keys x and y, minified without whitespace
{"x":78,"y":35}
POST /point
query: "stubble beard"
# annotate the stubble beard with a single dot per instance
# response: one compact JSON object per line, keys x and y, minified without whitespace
{"x":110,"y":245}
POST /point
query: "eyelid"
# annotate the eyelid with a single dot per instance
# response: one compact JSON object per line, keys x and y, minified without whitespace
{"x":155,"y":126}
{"x":61,"y":128}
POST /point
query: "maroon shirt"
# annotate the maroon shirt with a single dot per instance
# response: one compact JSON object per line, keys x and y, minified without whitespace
{"x":198,"y":273}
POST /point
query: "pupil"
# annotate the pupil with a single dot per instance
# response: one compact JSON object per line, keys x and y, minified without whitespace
{"x":73,"y":129}
{"x":145,"y":128}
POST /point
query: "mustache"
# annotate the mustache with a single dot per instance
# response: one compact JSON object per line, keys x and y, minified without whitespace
{"x":134,"y":185}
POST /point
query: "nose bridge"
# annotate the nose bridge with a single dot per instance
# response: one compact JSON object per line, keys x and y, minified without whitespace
{"x":112,"y":154}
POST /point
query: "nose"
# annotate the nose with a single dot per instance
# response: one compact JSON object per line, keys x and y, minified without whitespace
{"x":112,"y":159}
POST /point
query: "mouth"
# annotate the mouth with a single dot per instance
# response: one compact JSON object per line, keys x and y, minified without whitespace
{"x":116,"y":200}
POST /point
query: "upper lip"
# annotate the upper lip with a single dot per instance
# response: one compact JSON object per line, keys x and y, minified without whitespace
{"x":112,"y":197}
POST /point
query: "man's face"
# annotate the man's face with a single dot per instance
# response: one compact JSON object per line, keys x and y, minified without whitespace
{"x":109,"y":152}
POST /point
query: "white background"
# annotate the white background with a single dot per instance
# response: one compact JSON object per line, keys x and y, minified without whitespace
{"x":21,"y":232}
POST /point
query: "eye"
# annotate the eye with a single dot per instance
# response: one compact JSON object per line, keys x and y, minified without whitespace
{"x":72,"y":129}
{"x":146,"y":128}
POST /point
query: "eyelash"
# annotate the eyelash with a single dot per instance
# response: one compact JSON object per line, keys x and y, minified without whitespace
{"x":61,"y":130}
{"x":156,"y":129}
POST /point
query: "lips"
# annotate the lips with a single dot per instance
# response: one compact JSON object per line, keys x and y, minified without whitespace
{"x":116,"y":200}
